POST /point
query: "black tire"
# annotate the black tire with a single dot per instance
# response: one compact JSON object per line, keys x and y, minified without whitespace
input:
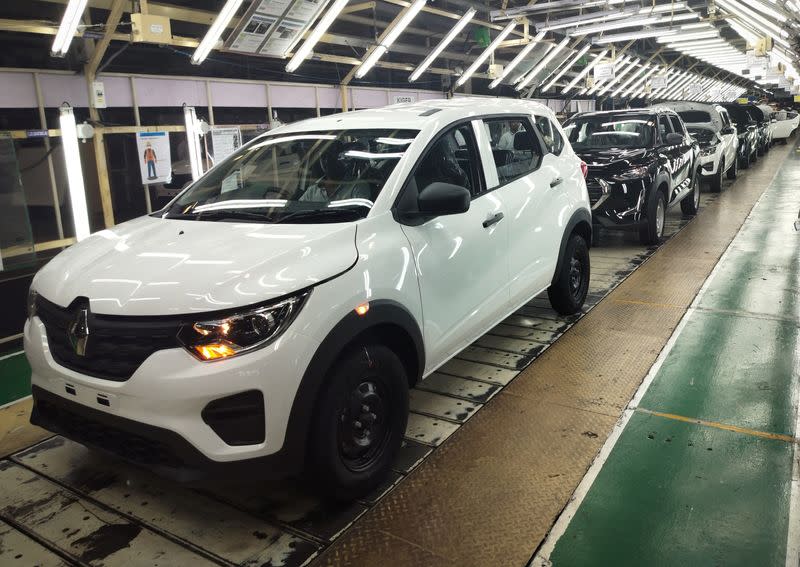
{"x":653,"y":227}
{"x":745,"y":163}
{"x":733,"y":170}
{"x":716,"y":181}
{"x":761,"y":151}
{"x":754,"y":156}
{"x":569,"y":290}
{"x":359,"y":422}
{"x":691,"y":203}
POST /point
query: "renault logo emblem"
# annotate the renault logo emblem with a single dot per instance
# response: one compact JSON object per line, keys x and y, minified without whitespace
{"x":78,"y":332}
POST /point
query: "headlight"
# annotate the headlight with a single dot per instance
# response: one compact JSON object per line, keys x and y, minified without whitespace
{"x":32,"y":296}
{"x":708,"y":150}
{"x":242,"y":332}
{"x":633,"y":173}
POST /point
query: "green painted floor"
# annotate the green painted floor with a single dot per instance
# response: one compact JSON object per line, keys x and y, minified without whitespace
{"x":675,"y":492}
{"x":15,"y":378}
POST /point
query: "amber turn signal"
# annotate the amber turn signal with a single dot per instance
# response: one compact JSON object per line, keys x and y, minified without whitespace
{"x":214,"y":351}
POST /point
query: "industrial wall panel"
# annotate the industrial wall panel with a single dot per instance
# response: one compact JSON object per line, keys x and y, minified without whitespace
{"x":292,"y":96}
{"x":18,"y":91}
{"x":170,"y":92}
{"x":57,"y":89}
{"x":238,"y":95}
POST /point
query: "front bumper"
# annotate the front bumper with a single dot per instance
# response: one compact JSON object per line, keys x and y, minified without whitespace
{"x":159,"y":410}
{"x":709,"y":165}
{"x":619,"y":206}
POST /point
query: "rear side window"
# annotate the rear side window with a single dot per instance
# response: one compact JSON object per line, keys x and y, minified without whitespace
{"x":676,"y":124}
{"x":550,"y":135}
{"x":515,"y":147}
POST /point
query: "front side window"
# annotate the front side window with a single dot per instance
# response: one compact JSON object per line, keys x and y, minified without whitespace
{"x":611,"y":131}
{"x":677,"y":126}
{"x":331,"y":176}
{"x":550,"y":135}
{"x":663,"y":127}
{"x":515,"y":148}
{"x":452,"y":159}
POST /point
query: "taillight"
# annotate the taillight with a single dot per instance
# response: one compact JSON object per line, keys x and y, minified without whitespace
{"x":584,"y":169}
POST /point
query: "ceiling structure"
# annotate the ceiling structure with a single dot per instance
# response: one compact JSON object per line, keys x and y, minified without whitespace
{"x":657,"y":49}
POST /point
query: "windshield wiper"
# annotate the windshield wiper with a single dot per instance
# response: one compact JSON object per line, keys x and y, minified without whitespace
{"x":319,"y":213}
{"x":235,"y":214}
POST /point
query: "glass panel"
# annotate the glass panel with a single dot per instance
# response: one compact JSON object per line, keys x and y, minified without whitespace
{"x":16,"y":240}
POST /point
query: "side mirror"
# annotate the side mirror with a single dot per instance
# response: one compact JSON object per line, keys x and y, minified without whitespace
{"x":444,"y":199}
{"x":674,"y":139}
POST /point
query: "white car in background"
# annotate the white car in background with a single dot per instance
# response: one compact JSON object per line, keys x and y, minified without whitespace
{"x":278,"y":310}
{"x":711,"y":126}
{"x":785,"y":126}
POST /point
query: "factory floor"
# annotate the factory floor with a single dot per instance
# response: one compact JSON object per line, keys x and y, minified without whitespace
{"x":657,"y":428}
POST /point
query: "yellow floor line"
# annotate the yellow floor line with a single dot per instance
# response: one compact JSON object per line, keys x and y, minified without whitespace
{"x":717,"y":425}
{"x":649,"y":303}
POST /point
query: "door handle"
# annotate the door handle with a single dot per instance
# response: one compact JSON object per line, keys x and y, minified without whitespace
{"x":557,"y":181}
{"x":492,"y":220}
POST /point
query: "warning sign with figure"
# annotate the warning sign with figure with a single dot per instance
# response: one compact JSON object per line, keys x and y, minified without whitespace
{"x":155,"y":161}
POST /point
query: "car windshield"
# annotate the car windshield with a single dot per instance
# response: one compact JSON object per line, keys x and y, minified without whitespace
{"x":308,"y":177}
{"x":695,"y":116}
{"x":608,"y":131}
{"x":739,"y":115}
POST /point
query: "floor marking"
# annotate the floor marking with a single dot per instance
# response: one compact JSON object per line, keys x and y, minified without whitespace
{"x":12,"y":354}
{"x":648,"y":303}
{"x":718,"y":425}
{"x":541,"y":556}
{"x":9,"y":404}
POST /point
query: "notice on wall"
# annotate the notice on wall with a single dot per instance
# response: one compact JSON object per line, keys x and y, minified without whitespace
{"x":272,"y":27}
{"x":282,"y":37}
{"x":603,"y":71}
{"x":273,"y":7}
{"x":693,"y":89}
{"x":404,"y":99}
{"x":224,"y":142}
{"x":155,"y":160}
{"x":659,"y":82}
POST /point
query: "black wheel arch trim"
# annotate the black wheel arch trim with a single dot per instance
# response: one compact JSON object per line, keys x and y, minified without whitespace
{"x":382,"y":313}
{"x":580,"y":216}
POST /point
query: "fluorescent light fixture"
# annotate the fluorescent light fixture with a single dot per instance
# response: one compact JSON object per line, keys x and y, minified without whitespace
{"x":618,"y":77}
{"x":390,"y":35}
{"x":193,"y":139}
{"x":618,"y":64}
{"x":312,"y":39}
{"x":585,"y":71}
{"x":632,"y":22}
{"x":542,"y":64}
{"x":517,"y":60}
{"x":566,"y":67}
{"x":447,"y":40}
{"x":655,"y":32}
{"x":486,"y":53}
{"x":215,"y":31}
{"x":68,"y":27}
{"x":632,"y":85}
{"x":72,"y":161}
{"x":688,"y":36}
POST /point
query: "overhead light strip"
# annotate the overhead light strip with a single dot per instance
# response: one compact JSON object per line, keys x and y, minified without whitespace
{"x":322,"y":26}
{"x":567,"y":67}
{"x":584,"y":72}
{"x":447,"y":40}
{"x":215,"y":31}
{"x":69,"y":25}
{"x":517,"y":60}
{"x":389,"y":38}
{"x":486,"y":53}
{"x":542,"y":64}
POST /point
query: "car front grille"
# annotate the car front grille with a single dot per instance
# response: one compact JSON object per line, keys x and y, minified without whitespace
{"x":595,"y":191}
{"x":116,"y":346}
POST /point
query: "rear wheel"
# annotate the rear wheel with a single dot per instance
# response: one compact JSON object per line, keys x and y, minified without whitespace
{"x":733,"y":170}
{"x":691,"y":203}
{"x":569,"y":290}
{"x":716,"y":181}
{"x":653,"y":227}
{"x":360,"y":419}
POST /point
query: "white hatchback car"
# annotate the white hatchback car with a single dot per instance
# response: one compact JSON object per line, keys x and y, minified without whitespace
{"x":279,"y":309}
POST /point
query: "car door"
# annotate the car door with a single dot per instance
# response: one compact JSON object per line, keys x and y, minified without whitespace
{"x":729,"y":138}
{"x":680,"y":157}
{"x":522,"y":177}
{"x":462,"y":259}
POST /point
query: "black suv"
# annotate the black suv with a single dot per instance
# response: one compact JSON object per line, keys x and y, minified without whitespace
{"x":747,"y":131}
{"x":640,"y":163}
{"x":762,"y":124}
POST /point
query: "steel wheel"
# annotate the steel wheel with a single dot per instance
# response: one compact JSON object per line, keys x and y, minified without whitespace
{"x":363,"y":430}
{"x":660,"y":216}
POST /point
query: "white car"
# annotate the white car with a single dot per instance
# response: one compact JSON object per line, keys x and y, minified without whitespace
{"x":278,"y":310}
{"x":711,"y":125}
{"x":785,"y":126}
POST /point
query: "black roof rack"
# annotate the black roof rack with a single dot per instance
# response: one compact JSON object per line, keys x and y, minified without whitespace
{"x":431,"y":111}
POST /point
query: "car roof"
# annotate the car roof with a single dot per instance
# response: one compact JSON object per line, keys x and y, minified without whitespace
{"x":417,"y":115}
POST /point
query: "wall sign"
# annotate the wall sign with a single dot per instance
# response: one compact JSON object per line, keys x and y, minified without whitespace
{"x":659,"y":82}
{"x":603,"y":71}
{"x":224,"y":142}
{"x":155,"y":161}
{"x":404,"y":99}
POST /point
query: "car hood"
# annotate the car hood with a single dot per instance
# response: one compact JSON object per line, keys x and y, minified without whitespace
{"x":155,"y":266}
{"x":602,"y":159}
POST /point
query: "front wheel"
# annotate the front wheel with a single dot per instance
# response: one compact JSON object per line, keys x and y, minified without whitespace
{"x":360,"y":419}
{"x":716,"y":181}
{"x":691,"y":203}
{"x":733,"y":170}
{"x":653,"y":227}
{"x":569,"y":290}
